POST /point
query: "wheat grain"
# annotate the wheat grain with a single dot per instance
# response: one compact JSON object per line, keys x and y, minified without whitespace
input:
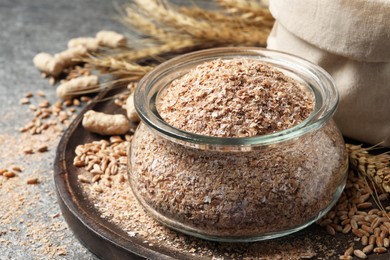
{"x":249,"y":8}
{"x":201,"y":29}
{"x":374,"y":167}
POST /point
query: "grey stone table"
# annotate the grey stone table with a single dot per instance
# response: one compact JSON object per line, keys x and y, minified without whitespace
{"x":31,"y":225}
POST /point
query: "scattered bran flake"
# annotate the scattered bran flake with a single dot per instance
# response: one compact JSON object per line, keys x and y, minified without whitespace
{"x":32,"y":181}
{"x":16,"y":168}
{"x":28,"y":95}
{"x":61,"y":251}
{"x":40,"y":93}
{"x":24,"y":101}
{"x":37,"y":239}
{"x":42,"y":149}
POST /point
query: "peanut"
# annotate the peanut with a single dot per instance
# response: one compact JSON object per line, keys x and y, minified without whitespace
{"x":105,"y":124}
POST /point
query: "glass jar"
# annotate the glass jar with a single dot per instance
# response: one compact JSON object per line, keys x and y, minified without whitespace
{"x":244,"y":188}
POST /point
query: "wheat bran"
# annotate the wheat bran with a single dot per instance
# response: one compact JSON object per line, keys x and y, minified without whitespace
{"x":234,"y":98}
{"x":39,"y":236}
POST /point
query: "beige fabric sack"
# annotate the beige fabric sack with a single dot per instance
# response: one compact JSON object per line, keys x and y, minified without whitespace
{"x":351,"y":40}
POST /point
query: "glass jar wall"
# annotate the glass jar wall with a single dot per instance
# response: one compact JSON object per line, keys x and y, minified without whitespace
{"x":244,"y":188}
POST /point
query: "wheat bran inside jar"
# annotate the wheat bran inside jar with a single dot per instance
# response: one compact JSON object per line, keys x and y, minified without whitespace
{"x":234,"y":98}
{"x":237,"y":193}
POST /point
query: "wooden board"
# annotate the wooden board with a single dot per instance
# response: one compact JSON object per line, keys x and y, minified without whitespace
{"x":109,"y":241}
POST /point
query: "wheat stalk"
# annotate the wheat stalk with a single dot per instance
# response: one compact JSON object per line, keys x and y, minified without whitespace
{"x":233,"y":22}
{"x":202,"y":29}
{"x":249,"y":10}
{"x":147,"y":27}
{"x":172,"y":29}
{"x":120,"y":68}
{"x":245,"y":6}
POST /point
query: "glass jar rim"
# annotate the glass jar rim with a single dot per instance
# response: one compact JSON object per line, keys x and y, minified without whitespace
{"x":318,"y":80}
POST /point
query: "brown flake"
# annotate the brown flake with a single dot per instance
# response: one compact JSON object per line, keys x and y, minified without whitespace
{"x":41,"y":93}
{"x":24,"y":101}
{"x":44,"y":104}
{"x":28,"y":95}
{"x":17,"y":168}
{"x":9,"y":174}
{"x":42,"y":149}
{"x":32,"y":181}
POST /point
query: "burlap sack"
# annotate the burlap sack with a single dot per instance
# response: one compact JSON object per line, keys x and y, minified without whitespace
{"x":351,"y":40}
